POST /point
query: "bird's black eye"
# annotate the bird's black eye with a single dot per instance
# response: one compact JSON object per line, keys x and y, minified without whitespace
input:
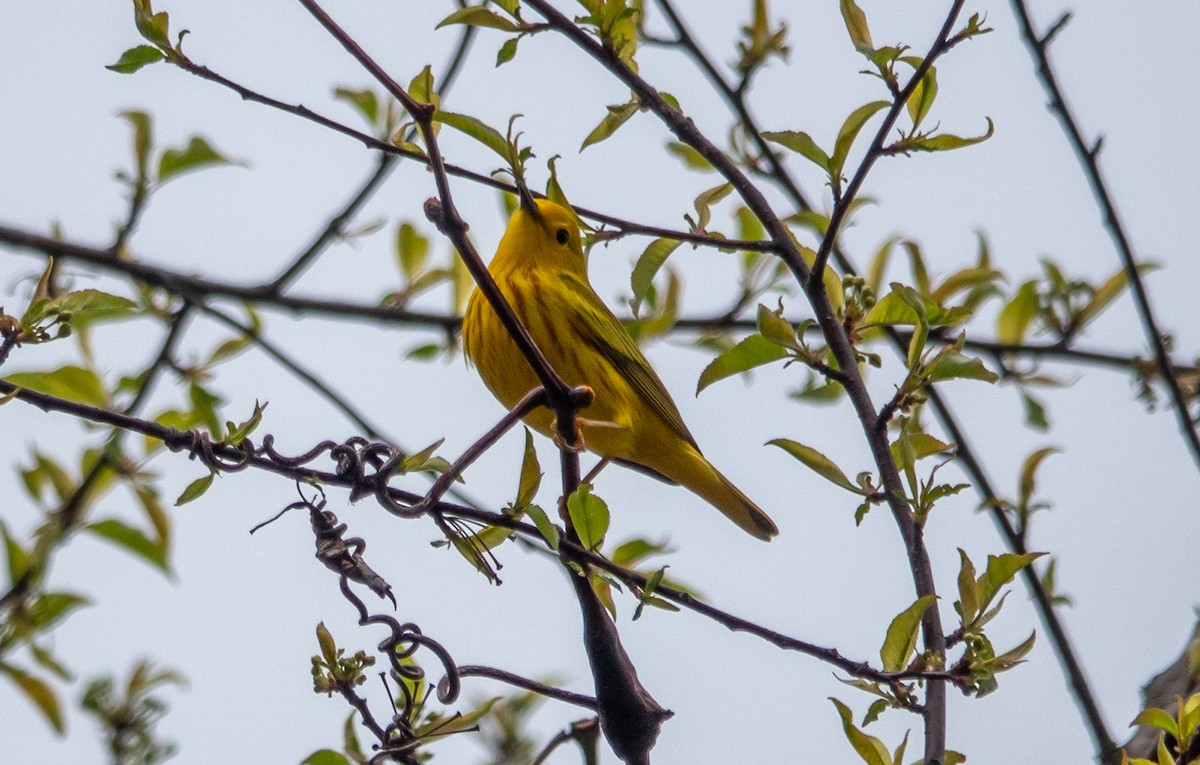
{"x":562,"y":236}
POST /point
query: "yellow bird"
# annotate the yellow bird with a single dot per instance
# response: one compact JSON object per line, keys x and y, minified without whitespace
{"x":540,"y":269}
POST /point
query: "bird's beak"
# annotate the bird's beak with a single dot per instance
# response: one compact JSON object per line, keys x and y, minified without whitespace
{"x":527,"y":202}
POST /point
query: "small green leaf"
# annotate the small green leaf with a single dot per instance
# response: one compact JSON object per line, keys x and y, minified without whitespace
{"x":901,"y":638}
{"x":870,"y":749}
{"x":152,"y":26}
{"x":1029,"y":468}
{"x":754,"y":351}
{"x":946,"y":141}
{"x":856,"y":25}
{"x":690,"y":157}
{"x":326,"y":757}
{"x":1105,"y":294}
{"x":633,"y":552}
{"x":1000,"y":571}
{"x":817,"y":462}
{"x":921,"y":100}
{"x":1017,"y":314}
{"x":508,"y":50}
{"x":648,"y":264}
{"x":801,"y":143}
{"x":39,"y":693}
{"x":1035,"y":413}
{"x":850,"y":128}
{"x":617,"y":116}
{"x":364,"y":101}
{"x":412,"y":249}
{"x":1157,"y":718}
{"x":329,"y":649}
{"x":51,"y":608}
{"x":69,"y":382}
{"x":135,"y":58}
{"x":143,"y":138}
{"x":956,"y":366}
{"x":531,"y":473}
{"x":968,"y":590}
{"x":134,"y":540}
{"x":775,"y":328}
{"x":704,"y":202}
{"x":197,"y":154}
{"x":589,"y":516}
{"x":545,"y":527}
{"x":1009,"y":659}
{"x":478,"y":16}
{"x":473,"y":128}
{"x":195,"y":489}
{"x":88,"y":305}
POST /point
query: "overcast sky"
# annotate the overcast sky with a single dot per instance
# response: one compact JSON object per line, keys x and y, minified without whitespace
{"x":238,"y":617}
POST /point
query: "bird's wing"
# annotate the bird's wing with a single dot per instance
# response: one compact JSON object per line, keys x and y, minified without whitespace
{"x":597,"y":327}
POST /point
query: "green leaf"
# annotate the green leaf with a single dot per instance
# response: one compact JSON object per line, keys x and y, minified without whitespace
{"x":143,"y":138}
{"x":473,"y":128}
{"x":704,"y":202}
{"x":135,"y":58}
{"x":911,"y":447}
{"x":329,"y":649}
{"x":326,"y":757}
{"x":589,"y":516}
{"x":922,"y":97}
{"x":152,"y":26}
{"x":478,"y":16}
{"x":197,"y":154}
{"x":901,"y":638}
{"x":69,"y":382}
{"x":870,"y":749}
{"x":817,"y":462}
{"x":53,"y":607}
{"x":850,"y":128}
{"x":690,"y":157}
{"x":1105,"y":294}
{"x":633,"y":552}
{"x":236,"y":434}
{"x":617,"y":116}
{"x":968,"y":590}
{"x":1029,"y":468}
{"x":88,"y":305}
{"x":753,"y":351}
{"x":195,"y":489}
{"x":1035,"y":413}
{"x":134,"y":540}
{"x":364,"y":101}
{"x":39,"y":693}
{"x":412,"y":249}
{"x":531,"y":474}
{"x":647,"y":266}
{"x":1009,"y":659}
{"x":775,"y":328}
{"x":1157,"y":718}
{"x":421,"y":88}
{"x":1017,"y":314}
{"x":1000,"y":571}
{"x":946,"y":141}
{"x":856,"y":25}
{"x":508,"y":50}
{"x":801,"y":143}
{"x":544,"y":525}
{"x":956,"y":366}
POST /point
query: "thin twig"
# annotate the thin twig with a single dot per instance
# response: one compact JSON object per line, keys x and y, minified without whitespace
{"x":1088,"y":160}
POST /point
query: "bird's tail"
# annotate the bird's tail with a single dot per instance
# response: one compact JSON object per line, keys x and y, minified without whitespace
{"x":707,"y":482}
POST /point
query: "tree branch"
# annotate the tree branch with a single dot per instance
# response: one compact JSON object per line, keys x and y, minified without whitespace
{"x":1087,"y":155}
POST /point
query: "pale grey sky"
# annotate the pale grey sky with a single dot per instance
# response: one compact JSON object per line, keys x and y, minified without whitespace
{"x":239,"y":618}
